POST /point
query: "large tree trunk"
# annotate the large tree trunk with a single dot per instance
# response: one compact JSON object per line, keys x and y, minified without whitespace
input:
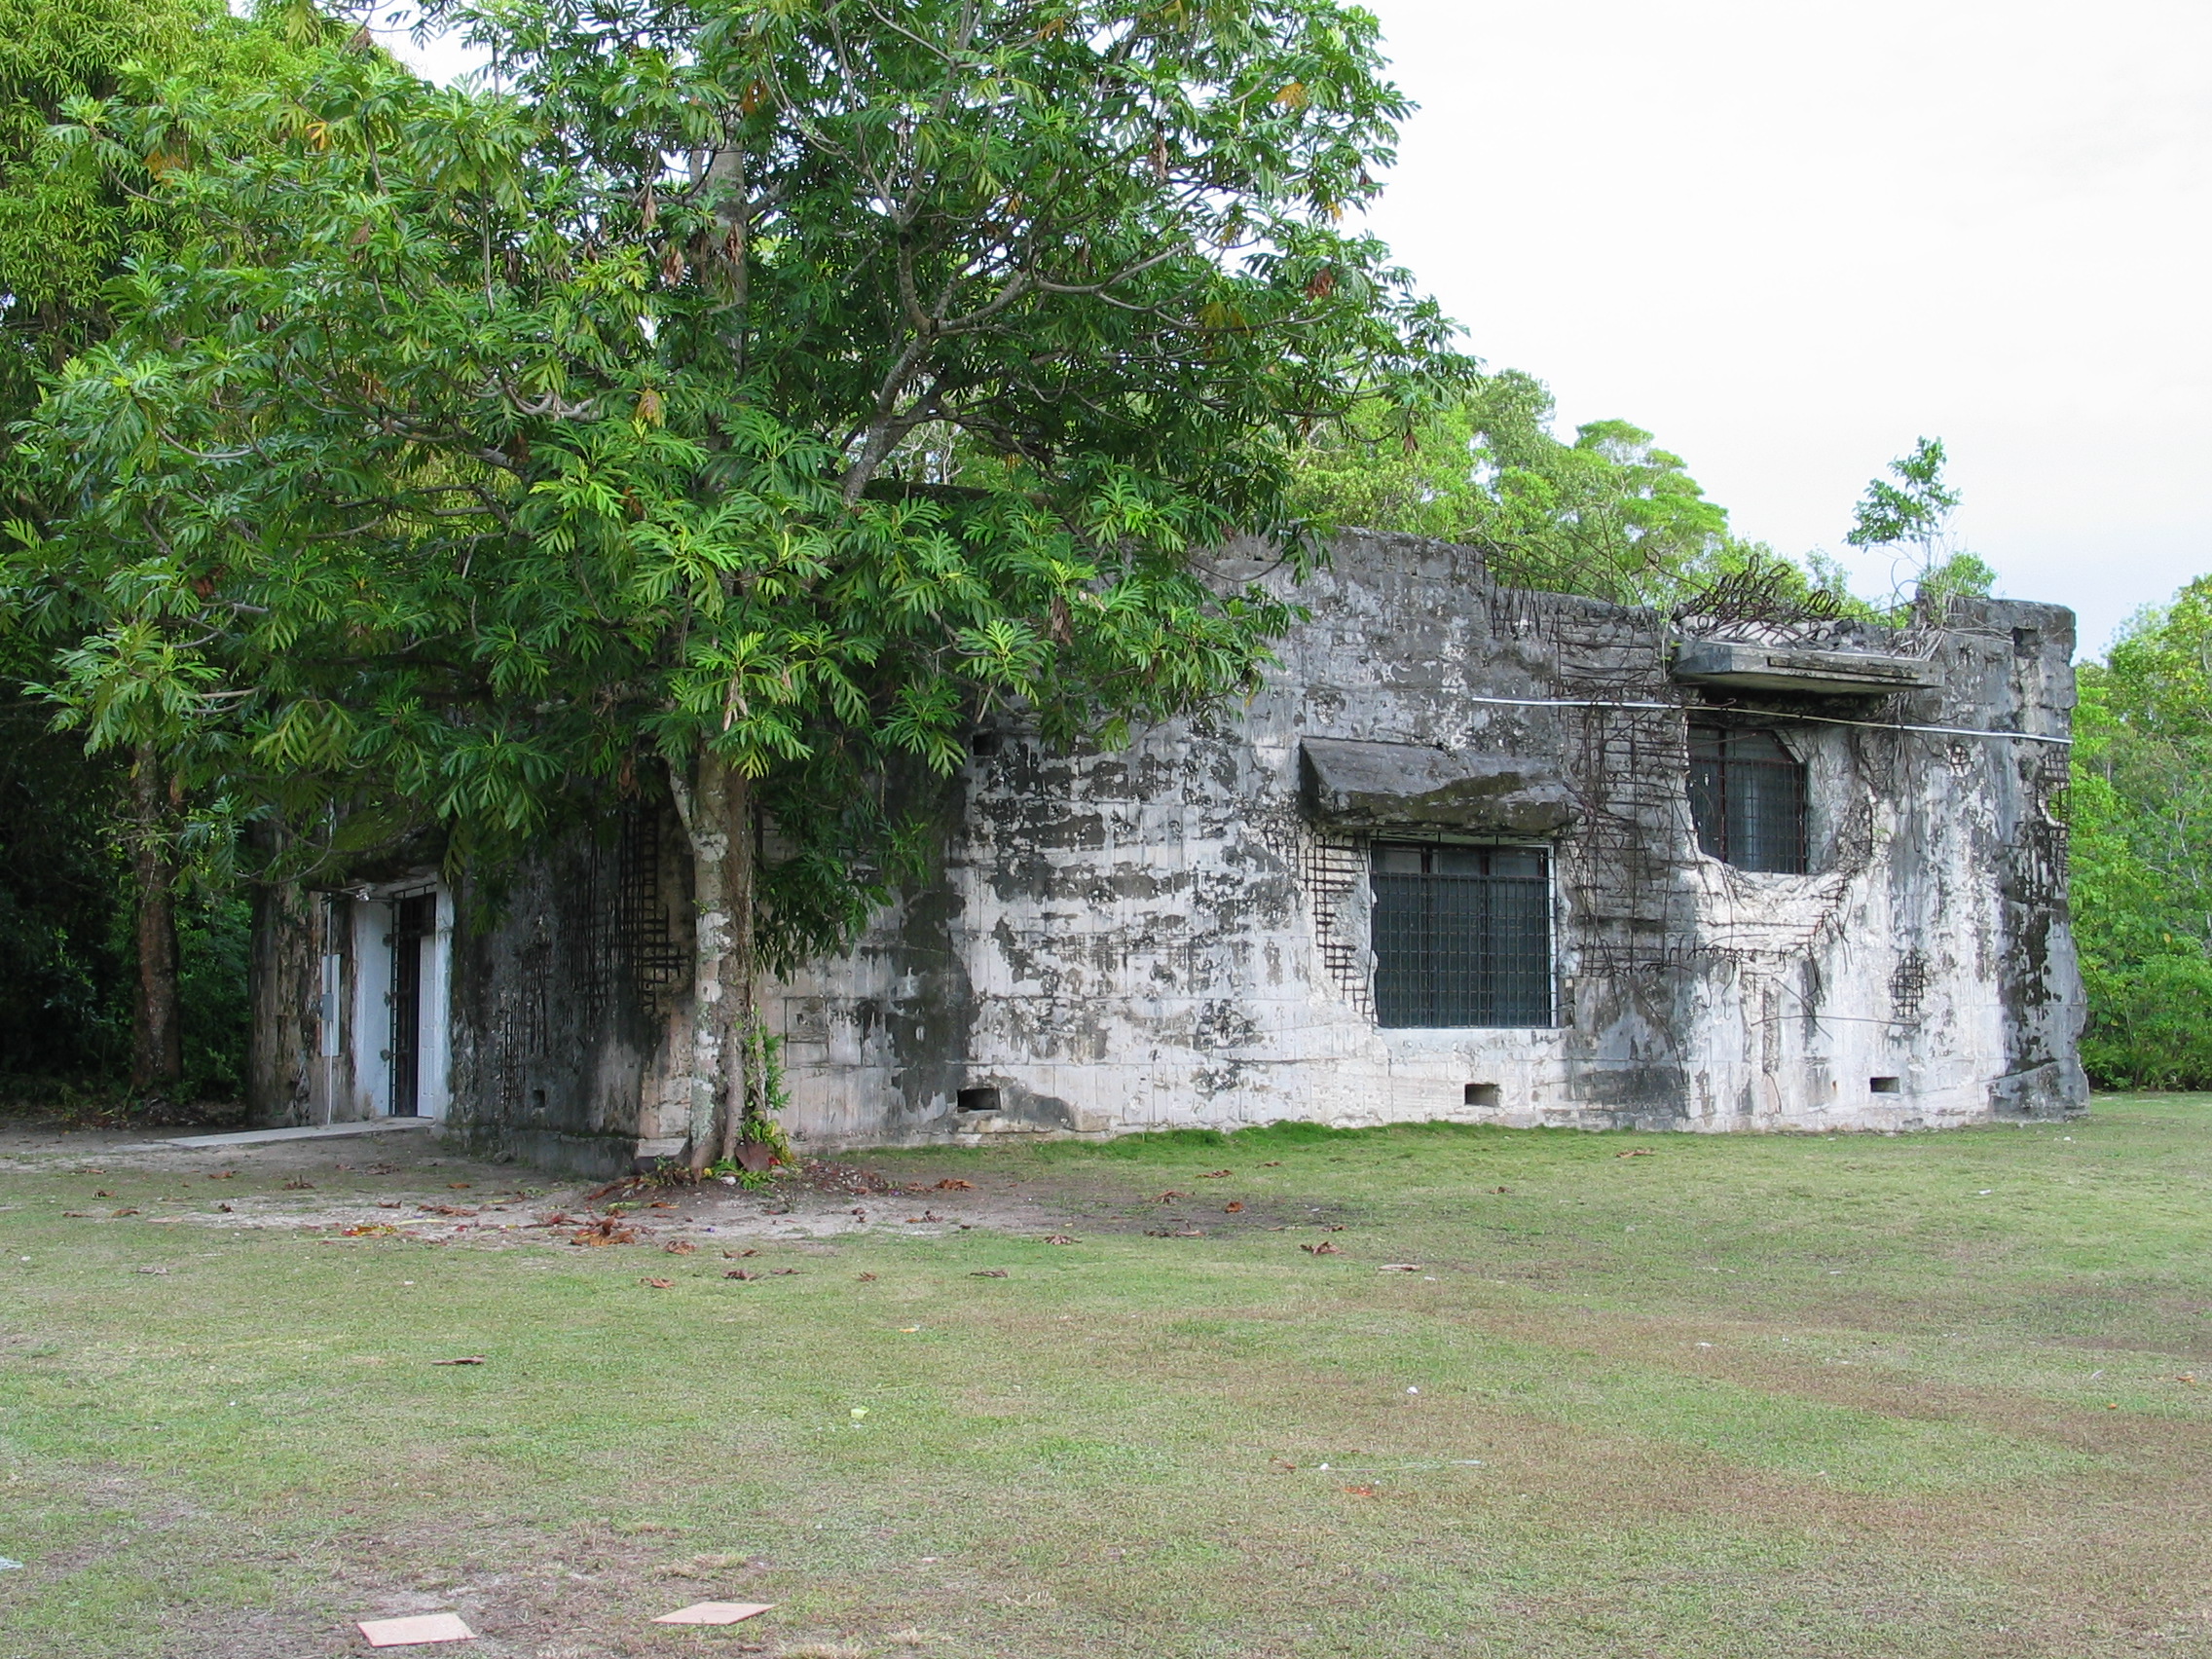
{"x":716,"y":810}
{"x":286,"y":986}
{"x":157,"y":1038}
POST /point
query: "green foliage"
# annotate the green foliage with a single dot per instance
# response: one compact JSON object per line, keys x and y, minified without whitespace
{"x":1911,"y":520}
{"x":2138,"y":808}
{"x":1610,"y":514}
{"x":67,"y":954}
{"x":473,"y":459}
{"x":64,"y":907}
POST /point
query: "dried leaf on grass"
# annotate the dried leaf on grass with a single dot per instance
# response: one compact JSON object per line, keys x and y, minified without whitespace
{"x":1399,"y":1267}
{"x":988,"y":1272}
{"x":737,"y":1255}
{"x":658,"y":1283}
{"x":1184,"y":1232}
{"x":372,"y":1230}
{"x":463,"y":1359}
{"x":866,"y":1278}
{"x":607,"y":1229}
{"x":296,"y":1185}
{"x":1058,"y":1238}
{"x":681,"y":1247}
{"x":1234,"y":1207}
{"x":1216,"y":1175}
{"x":1640,"y":1152}
{"x":1361,"y":1491}
{"x":741,"y":1273}
{"x":1324,"y":1248}
{"x":950,"y":1186}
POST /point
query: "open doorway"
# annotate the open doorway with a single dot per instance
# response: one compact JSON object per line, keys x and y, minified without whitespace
{"x":401,"y":1044}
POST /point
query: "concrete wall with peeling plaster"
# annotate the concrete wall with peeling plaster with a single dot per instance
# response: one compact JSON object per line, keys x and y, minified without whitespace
{"x":1177,"y":934}
{"x":1162,"y":937}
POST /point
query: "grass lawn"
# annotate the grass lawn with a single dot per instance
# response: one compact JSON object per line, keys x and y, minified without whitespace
{"x":1641,"y":1396}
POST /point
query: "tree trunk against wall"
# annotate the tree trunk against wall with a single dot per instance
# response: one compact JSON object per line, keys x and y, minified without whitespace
{"x":285,"y":969}
{"x":716,"y":807}
{"x":157,"y":1038}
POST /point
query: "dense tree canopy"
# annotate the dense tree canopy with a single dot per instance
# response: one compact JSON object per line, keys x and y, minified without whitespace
{"x":765,"y":392}
{"x":2141,"y":820}
{"x":1610,"y":514}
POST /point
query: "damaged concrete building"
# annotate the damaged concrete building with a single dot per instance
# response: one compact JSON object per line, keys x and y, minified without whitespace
{"x":1473,"y":853}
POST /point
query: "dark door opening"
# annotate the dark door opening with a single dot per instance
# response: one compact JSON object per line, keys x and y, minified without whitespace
{"x":412,"y":921}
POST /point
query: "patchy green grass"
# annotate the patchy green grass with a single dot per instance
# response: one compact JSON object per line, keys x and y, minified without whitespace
{"x":1658,"y":1396}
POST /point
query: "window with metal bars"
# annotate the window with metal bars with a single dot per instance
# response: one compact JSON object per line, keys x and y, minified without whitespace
{"x":1462,"y":935}
{"x":1747,"y":800}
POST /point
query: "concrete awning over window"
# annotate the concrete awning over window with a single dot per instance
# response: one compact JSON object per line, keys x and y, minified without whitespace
{"x":1405,"y":786}
{"x":1787,"y":668}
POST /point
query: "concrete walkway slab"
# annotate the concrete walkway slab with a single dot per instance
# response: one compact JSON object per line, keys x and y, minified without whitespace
{"x":265,"y":1137}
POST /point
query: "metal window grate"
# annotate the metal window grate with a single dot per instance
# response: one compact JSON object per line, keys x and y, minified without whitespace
{"x":1747,"y":800}
{"x":1462,"y":935}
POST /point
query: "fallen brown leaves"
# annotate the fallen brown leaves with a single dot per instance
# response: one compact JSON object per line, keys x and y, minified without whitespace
{"x":1216,"y":1175}
{"x":1324,"y":1248}
{"x":988,"y":1272}
{"x":465,"y":1359}
{"x":607,"y":1230}
{"x":657,"y":1283}
{"x":1058,"y":1238}
{"x":372,"y":1230}
{"x":681,"y":1247}
{"x":949,"y":1186}
{"x":1234,"y":1207}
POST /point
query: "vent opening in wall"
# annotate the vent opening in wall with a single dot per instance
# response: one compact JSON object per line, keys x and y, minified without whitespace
{"x":1886,"y":1085}
{"x":979,"y":1100}
{"x":1482,"y":1095}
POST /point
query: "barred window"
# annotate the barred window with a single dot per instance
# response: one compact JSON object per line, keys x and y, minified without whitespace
{"x":1462,"y":935}
{"x":1747,"y":800}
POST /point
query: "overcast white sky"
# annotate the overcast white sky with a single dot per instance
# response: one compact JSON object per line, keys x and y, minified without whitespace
{"x":1792,"y":238}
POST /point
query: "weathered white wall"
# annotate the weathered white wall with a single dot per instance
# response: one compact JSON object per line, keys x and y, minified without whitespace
{"x":1158,"y":936}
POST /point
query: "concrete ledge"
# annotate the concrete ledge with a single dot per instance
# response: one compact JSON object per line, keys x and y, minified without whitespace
{"x":265,"y":1137}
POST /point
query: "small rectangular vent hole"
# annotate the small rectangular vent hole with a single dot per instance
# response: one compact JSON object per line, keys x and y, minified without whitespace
{"x":979,"y":1100}
{"x":1886,"y":1085}
{"x":1482,"y":1095}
